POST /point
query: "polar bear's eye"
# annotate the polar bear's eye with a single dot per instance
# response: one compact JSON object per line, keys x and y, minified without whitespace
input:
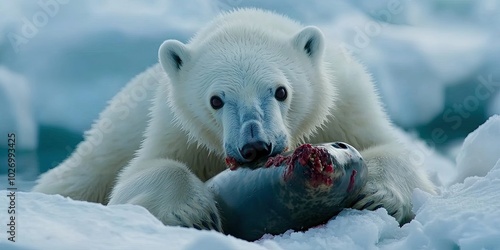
{"x":280,"y":94}
{"x":216,"y":102}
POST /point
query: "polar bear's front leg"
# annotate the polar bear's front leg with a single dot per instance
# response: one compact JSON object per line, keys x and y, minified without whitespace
{"x":392,"y":177}
{"x":170,"y":192}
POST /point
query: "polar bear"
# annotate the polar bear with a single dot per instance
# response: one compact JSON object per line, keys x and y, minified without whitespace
{"x":250,"y":84}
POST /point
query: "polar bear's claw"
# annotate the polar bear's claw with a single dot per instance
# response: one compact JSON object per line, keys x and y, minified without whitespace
{"x":194,"y":216}
{"x":375,"y":196}
{"x":212,"y":223}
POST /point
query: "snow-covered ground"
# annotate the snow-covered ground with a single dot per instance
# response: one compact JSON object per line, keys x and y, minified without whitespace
{"x":465,"y":215}
{"x":436,"y":63}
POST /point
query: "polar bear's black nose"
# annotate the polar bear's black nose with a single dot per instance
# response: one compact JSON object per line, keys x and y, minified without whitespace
{"x":255,"y":150}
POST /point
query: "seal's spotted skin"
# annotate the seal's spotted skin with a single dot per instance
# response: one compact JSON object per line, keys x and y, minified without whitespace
{"x":295,"y":190}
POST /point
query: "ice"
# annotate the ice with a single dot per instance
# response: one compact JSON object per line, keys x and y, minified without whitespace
{"x":464,"y":216}
{"x":480,"y":150}
{"x":414,"y":53}
{"x":495,"y":105}
{"x":81,"y":65}
{"x":415,"y":35}
{"x":16,"y":109}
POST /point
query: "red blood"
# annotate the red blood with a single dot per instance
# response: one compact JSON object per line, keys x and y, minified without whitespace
{"x":351,"y":180}
{"x":328,"y":181}
{"x":231,"y":163}
{"x":317,"y":159}
{"x":288,"y":173}
{"x":302,"y":161}
{"x":276,"y":161}
{"x":328,"y":168}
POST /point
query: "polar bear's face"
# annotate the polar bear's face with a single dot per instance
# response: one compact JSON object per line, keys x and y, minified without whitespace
{"x":247,"y":94}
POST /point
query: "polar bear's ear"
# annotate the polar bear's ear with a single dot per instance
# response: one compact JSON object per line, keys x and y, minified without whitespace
{"x":173,"y":55}
{"x":310,"y":40}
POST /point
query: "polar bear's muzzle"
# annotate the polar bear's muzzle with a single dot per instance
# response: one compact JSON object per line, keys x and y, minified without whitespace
{"x":251,"y":145}
{"x":256,"y":150}
{"x":251,"y":153}
{"x":253,"y":133}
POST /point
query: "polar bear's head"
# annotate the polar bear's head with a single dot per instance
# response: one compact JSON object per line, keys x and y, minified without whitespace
{"x":246,"y":90}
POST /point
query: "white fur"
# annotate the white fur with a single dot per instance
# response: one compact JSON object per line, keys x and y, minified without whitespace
{"x":242,"y":56}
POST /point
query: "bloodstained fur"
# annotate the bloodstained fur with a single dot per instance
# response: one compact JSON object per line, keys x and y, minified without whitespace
{"x":231,"y":163}
{"x":317,"y":159}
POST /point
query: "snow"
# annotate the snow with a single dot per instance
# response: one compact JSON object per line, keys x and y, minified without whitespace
{"x":54,"y":222}
{"x":465,"y":215}
{"x":480,"y":150}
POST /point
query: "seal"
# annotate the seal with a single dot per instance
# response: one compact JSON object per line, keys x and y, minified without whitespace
{"x":296,"y":190}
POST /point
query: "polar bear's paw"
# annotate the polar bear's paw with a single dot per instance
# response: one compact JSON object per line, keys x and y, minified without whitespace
{"x":196,"y":213}
{"x":169,"y":191}
{"x":377,"y":195}
{"x":188,"y":204}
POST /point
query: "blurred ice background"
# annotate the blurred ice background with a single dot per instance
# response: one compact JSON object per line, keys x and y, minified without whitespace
{"x":436,"y":62}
